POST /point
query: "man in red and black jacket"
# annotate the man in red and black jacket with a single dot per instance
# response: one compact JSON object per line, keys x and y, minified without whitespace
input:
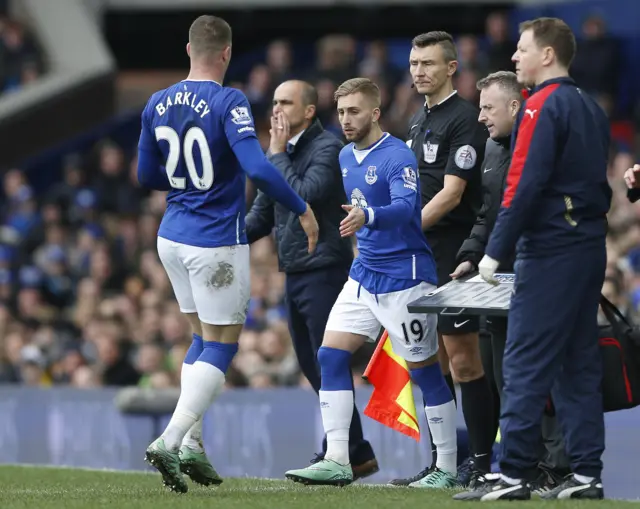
{"x":554,"y":212}
{"x":500,"y":101}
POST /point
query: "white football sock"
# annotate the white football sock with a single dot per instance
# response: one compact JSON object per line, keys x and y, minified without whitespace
{"x":442,"y":425}
{"x":336,"y":408}
{"x":583,"y":478}
{"x":193,"y":438}
{"x":510,"y":480}
{"x":202,"y":383}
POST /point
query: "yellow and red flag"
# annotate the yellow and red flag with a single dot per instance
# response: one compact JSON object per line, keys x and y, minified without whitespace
{"x":391,"y":402}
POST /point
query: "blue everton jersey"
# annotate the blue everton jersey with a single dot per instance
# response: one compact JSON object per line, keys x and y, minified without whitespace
{"x":393,"y":251}
{"x":193,"y":126}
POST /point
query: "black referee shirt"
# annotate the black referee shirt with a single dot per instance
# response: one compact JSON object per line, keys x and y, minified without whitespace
{"x":448,"y":140}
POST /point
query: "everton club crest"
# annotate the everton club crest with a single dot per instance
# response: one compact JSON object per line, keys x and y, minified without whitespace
{"x":371,"y":175}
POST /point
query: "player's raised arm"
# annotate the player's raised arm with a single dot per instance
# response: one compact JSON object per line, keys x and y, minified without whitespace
{"x":151,"y":172}
{"x":403,"y":190}
{"x":240,"y":132}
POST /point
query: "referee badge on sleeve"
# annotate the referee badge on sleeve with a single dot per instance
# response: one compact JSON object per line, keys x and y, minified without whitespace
{"x":430,"y":151}
{"x":466,"y":157}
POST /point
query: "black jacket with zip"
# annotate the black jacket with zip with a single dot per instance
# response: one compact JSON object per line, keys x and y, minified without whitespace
{"x":313,"y":170}
{"x":495,"y":167}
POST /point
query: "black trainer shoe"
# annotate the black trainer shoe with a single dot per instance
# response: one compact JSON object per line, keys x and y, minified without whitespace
{"x":494,"y":488}
{"x":477,"y":479}
{"x":409,"y":480}
{"x":469,"y":475}
{"x":572,"y":488}
{"x":464,"y":472}
{"x":546,"y":481}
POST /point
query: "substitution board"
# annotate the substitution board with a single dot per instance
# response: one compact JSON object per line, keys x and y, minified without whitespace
{"x":469,"y":296}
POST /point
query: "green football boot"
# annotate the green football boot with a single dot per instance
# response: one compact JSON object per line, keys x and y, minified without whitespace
{"x":325,"y":472}
{"x":197,"y":466}
{"x":168,"y":464}
{"x":436,"y":479}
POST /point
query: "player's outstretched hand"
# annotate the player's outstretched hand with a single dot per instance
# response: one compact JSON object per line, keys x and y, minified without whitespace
{"x":632,"y":177}
{"x":353,"y":222}
{"x":462,"y":270}
{"x":310,"y":227}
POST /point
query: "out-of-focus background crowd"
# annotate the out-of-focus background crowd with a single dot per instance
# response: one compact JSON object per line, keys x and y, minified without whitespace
{"x":84,"y":300}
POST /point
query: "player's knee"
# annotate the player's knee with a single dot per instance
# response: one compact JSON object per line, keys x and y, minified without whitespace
{"x":420,"y":364}
{"x":466,"y":366}
{"x":335,"y":369}
{"x":218,"y":355}
{"x":430,"y":379}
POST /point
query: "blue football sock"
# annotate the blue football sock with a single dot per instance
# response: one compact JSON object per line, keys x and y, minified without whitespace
{"x":194,"y":350}
{"x":335,"y":369}
{"x":435,"y":390}
{"x":219,"y":355}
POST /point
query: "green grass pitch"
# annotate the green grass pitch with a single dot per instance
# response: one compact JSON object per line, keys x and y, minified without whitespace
{"x":23,"y":487}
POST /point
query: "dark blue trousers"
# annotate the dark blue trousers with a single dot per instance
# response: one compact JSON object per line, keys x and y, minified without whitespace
{"x":309,"y":298}
{"x":552,"y":349}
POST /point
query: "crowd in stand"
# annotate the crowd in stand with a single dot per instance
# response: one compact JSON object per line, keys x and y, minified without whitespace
{"x":20,"y":58}
{"x":84,"y":300}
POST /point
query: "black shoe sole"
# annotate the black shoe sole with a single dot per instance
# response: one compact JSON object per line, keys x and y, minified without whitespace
{"x":170,"y":480}
{"x":310,"y":482}
{"x":188,"y":469}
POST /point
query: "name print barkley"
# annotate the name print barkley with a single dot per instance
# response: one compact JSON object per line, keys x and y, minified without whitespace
{"x":184,"y":99}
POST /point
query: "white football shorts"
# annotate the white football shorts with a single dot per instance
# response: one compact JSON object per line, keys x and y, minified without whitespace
{"x":414,"y":337}
{"x":211,"y":281}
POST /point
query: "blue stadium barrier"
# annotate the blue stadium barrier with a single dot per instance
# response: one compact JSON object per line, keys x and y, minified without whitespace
{"x":257,"y":433}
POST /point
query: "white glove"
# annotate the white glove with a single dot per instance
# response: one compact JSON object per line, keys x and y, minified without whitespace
{"x":487,"y":268}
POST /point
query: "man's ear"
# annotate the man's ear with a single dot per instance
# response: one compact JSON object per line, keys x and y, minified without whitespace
{"x":452,"y":67}
{"x":226,"y":54}
{"x":189,"y":49}
{"x":376,"y":114}
{"x":514,"y":107}
{"x":309,"y":112}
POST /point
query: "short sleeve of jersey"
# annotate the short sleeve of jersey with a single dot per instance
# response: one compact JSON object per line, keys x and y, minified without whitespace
{"x":468,"y":138}
{"x":147,"y":141}
{"x":238,"y":119}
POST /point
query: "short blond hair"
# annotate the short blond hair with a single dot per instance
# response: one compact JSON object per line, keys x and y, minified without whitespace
{"x":363,"y":86}
{"x":209,"y":34}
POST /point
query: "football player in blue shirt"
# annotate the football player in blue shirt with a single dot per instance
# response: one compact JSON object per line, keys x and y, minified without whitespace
{"x":393,"y":268}
{"x":198,"y":141}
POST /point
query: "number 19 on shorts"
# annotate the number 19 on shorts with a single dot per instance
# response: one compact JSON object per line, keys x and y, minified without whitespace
{"x":414,"y":332}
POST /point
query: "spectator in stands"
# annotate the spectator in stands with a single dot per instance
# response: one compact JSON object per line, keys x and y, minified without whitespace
{"x":596,"y":67}
{"x":500,"y":47}
{"x":20,"y":62}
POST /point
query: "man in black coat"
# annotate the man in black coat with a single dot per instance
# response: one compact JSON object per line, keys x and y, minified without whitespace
{"x":307,"y":156}
{"x":500,"y":101}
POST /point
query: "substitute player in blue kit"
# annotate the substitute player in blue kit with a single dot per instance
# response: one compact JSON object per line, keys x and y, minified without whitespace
{"x":394,"y":267}
{"x":198,"y":141}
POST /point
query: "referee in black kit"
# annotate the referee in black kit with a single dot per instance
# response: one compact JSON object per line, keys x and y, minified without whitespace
{"x":449,"y":144}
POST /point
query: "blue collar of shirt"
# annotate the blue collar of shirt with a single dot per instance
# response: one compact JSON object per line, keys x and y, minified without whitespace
{"x":553,"y":81}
